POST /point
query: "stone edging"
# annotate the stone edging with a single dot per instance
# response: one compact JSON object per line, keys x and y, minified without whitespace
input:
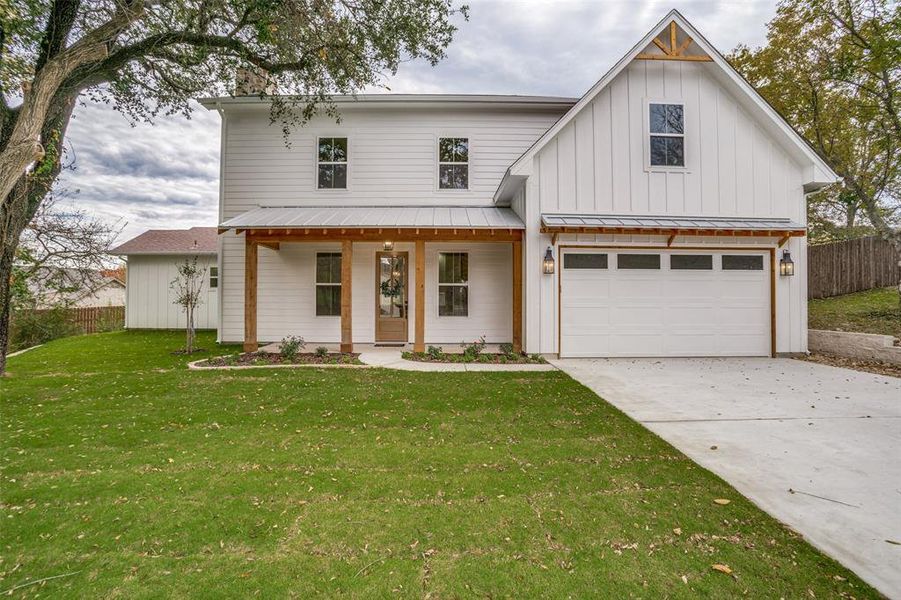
{"x":195,"y":366}
{"x":866,"y":346}
{"x":23,"y":351}
{"x":397,"y":362}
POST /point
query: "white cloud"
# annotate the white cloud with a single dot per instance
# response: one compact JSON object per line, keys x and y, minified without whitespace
{"x":166,"y":175}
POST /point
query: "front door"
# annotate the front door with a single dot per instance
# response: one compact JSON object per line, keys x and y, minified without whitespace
{"x":391,"y":297}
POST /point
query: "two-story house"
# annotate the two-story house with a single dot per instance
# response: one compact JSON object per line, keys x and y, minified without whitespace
{"x":660,"y":214}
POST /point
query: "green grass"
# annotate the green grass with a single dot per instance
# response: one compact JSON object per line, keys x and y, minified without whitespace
{"x":872,"y":311}
{"x":149,"y":480}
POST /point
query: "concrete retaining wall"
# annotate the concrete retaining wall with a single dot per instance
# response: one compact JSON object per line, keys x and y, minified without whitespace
{"x":867,"y":346}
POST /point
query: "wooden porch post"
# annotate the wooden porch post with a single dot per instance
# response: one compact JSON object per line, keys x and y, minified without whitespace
{"x":250,"y":295}
{"x":517,"y":296}
{"x":419,"y":335}
{"x":347,"y":341}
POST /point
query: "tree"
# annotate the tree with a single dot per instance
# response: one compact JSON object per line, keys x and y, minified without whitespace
{"x":833,"y":69}
{"x":148,"y":56}
{"x":188,"y":288}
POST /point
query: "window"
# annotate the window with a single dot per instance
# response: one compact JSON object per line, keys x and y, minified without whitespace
{"x":453,"y":284}
{"x":742,"y":262}
{"x":584,"y":261}
{"x":691,"y":262}
{"x":667,"y":128}
{"x":637,"y":261}
{"x":328,"y":284}
{"x":214,"y":277}
{"x":332,"y":163}
{"x":453,"y":163}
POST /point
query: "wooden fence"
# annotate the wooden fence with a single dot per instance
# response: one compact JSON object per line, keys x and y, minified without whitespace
{"x":851,"y":266}
{"x":98,"y":318}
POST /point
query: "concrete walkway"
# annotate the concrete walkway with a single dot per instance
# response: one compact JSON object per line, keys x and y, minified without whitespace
{"x":817,"y":447}
{"x":390,"y":358}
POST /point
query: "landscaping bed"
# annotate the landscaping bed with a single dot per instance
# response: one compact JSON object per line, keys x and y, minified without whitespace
{"x":495,"y":358}
{"x":263,"y":359}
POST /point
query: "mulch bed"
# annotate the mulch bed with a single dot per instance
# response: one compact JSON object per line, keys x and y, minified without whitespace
{"x":257,"y":359}
{"x":868,"y":366}
{"x":488,"y":358}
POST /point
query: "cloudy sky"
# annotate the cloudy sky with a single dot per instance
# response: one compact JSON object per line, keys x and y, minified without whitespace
{"x":166,"y":175}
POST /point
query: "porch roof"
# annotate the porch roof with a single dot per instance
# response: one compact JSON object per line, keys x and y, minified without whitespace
{"x":588,"y":223}
{"x":322,"y":217}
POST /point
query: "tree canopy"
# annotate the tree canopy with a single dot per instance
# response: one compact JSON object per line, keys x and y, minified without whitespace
{"x":833,"y":69}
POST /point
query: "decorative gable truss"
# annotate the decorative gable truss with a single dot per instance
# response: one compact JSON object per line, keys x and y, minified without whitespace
{"x":679,"y":46}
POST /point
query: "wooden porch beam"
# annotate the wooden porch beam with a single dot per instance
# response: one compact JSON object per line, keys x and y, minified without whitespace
{"x":419,"y":324}
{"x":347,"y":342}
{"x":250,"y":295}
{"x":517,"y":296}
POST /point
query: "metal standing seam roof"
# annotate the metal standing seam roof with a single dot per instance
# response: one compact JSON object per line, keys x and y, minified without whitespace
{"x":438,"y":217}
{"x":664,"y":222}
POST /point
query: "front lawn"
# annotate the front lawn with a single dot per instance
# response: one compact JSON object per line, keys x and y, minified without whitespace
{"x":133,"y":477}
{"x":871,"y":311}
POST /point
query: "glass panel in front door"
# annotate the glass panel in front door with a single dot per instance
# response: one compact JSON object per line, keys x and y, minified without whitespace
{"x":392,"y":287}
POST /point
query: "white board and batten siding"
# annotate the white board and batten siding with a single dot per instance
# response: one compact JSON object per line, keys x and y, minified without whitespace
{"x":392,"y":162}
{"x":150,"y":301}
{"x":597,"y":164}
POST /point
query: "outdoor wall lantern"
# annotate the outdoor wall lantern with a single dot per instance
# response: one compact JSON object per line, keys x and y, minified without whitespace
{"x":548,"y":263}
{"x":786,"y":264}
{"x":389,"y":246}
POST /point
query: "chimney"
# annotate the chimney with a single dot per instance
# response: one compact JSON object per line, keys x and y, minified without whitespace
{"x":252,"y":82}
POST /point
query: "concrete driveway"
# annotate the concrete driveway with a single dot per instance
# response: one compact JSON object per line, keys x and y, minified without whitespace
{"x":817,"y":447}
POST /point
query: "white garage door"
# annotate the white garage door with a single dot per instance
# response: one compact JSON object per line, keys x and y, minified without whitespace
{"x":678,"y":303}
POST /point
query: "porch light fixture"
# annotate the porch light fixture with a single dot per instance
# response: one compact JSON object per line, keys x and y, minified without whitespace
{"x":389,"y":246}
{"x":786,"y":264}
{"x":547,"y":264}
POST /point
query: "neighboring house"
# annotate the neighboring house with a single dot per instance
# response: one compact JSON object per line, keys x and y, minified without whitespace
{"x":647,"y":218}
{"x":153,"y":258}
{"x":51,"y":287}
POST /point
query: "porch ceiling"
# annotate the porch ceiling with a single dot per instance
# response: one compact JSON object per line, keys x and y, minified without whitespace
{"x":371,"y":217}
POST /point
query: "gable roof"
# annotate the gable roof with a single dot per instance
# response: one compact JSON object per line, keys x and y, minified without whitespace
{"x":196,"y":240}
{"x":817,"y":172}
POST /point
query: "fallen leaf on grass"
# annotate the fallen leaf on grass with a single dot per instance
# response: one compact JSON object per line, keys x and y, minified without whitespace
{"x":722,"y":568}
{"x":685,"y":579}
{"x":722,"y":501}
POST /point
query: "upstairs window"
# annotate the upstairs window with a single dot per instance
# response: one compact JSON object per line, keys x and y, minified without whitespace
{"x":453,"y":163}
{"x":667,"y":128}
{"x":332,"y":159}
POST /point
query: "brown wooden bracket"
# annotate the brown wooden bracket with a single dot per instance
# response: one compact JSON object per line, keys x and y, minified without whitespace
{"x":669,"y":241}
{"x":270,"y":245}
{"x":554,"y":237}
{"x":784,"y":239}
{"x":672,"y":50}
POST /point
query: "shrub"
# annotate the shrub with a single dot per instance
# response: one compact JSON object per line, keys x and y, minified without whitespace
{"x":321,"y":351}
{"x":290,"y":346}
{"x":32,"y":327}
{"x":472,"y":351}
{"x":536,"y":358}
{"x":506,"y":348}
{"x":435,"y":352}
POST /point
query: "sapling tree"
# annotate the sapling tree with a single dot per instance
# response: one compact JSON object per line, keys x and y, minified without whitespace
{"x":188,"y":288}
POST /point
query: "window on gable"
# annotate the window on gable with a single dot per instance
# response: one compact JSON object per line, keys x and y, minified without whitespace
{"x":214,"y":277}
{"x":453,"y":163}
{"x":332,"y":163}
{"x":328,"y":284}
{"x":453,"y":284}
{"x":667,"y":127}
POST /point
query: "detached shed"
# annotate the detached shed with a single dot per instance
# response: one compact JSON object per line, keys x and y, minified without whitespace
{"x":153,"y":258}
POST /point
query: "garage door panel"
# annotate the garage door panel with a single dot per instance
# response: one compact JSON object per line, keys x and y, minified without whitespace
{"x":613,"y":312}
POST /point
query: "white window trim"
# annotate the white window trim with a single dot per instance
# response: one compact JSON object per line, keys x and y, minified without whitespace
{"x":317,"y":162}
{"x":646,"y":129}
{"x":212,"y":277}
{"x":439,"y":162}
{"x":316,"y":284}
{"x":438,"y":285}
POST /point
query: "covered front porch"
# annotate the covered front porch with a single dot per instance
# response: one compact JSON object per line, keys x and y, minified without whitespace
{"x":433,"y":276}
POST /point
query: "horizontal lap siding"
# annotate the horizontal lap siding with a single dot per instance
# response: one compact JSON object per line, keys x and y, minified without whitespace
{"x":393,"y":156}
